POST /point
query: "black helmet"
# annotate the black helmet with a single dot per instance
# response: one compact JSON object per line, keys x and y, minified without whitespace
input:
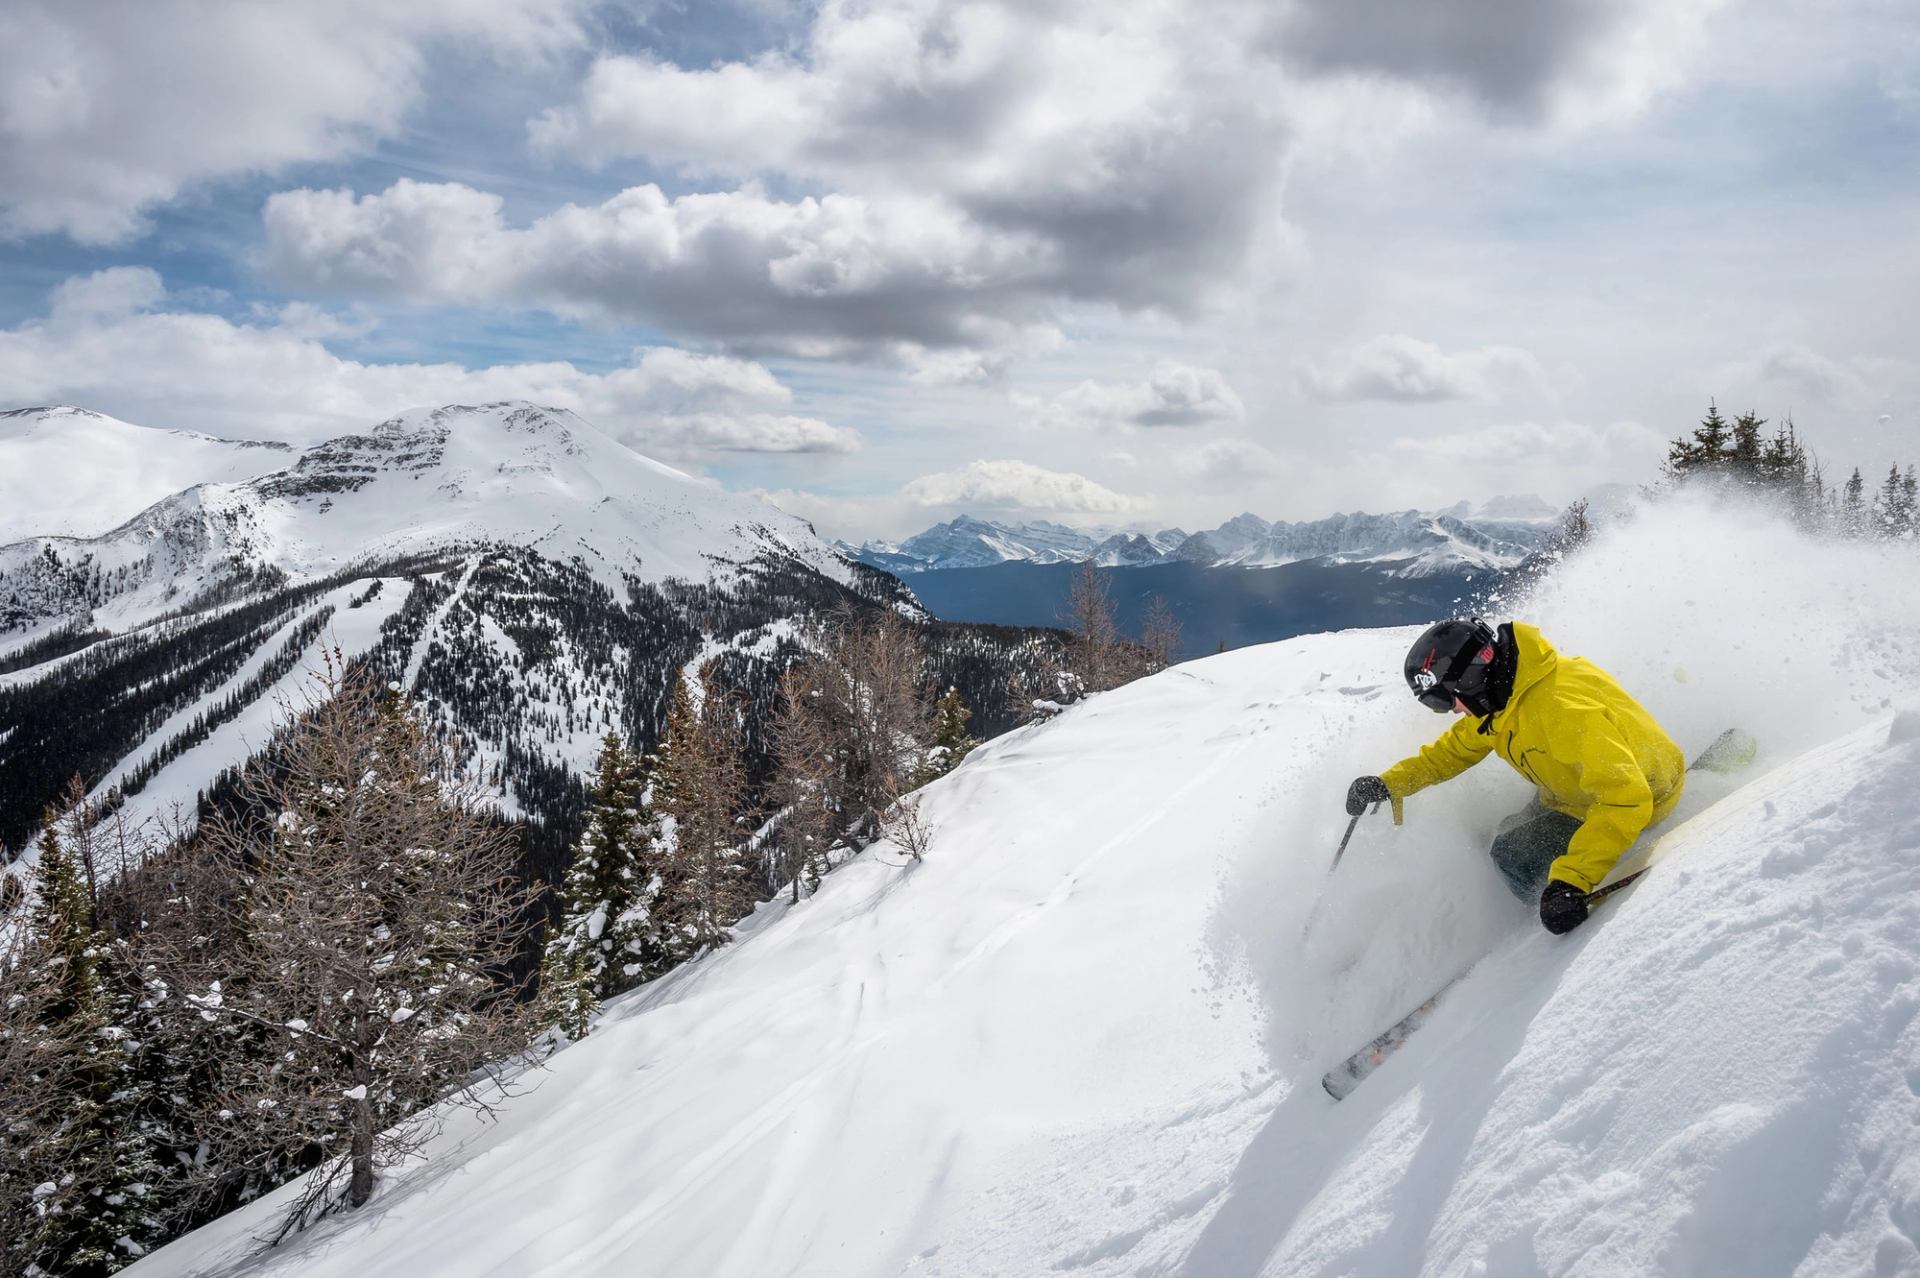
{"x":1452,"y":659}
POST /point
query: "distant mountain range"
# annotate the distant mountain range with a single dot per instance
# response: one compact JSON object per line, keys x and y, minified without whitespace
{"x":1412,"y":543}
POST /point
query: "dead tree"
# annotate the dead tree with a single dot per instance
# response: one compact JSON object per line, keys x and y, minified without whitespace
{"x":852,"y":732}
{"x":700,"y":793}
{"x":1160,"y":634}
{"x":1096,"y":649}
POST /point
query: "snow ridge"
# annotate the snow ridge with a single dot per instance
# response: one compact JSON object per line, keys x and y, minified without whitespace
{"x":425,"y":481}
{"x":1415,"y":543}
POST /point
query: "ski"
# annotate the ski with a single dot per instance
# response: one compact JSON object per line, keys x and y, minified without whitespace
{"x":1350,"y":1073}
{"x":1730,"y":752}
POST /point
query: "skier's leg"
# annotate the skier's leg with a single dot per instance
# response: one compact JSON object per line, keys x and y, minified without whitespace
{"x":1526,"y":850}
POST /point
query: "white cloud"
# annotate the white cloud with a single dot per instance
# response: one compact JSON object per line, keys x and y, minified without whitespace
{"x":838,"y":276}
{"x":751,"y":433}
{"x":107,"y":110}
{"x":1174,"y":394}
{"x":1791,"y":374}
{"x":118,"y":290}
{"x":1017,"y":486}
{"x":110,"y":344}
{"x":977,"y":170}
{"x":1544,"y":457}
{"x":1229,"y":464}
{"x":983,"y":165}
{"x":855,"y":519}
{"x":1406,"y":369}
{"x":1135,"y":141}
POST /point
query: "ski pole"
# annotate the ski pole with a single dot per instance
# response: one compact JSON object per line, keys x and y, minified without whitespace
{"x":1598,"y":894}
{"x":1342,"y":849}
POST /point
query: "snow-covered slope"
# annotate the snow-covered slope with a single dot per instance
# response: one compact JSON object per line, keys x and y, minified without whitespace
{"x":1085,"y":1034}
{"x":429,"y":479}
{"x":71,"y":473}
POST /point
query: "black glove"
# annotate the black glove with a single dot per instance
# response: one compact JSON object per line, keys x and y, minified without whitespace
{"x":1366,"y":790}
{"x":1563,"y":907}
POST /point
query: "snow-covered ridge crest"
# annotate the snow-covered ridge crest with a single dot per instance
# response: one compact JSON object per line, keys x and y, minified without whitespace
{"x":1415,"y":543}
{"x":66,"y":471}
{"x":425,"y":480}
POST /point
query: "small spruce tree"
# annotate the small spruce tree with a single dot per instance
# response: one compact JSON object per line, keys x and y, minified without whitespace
{"x":1744,"y":457}
{"x":1894,"y":510}
{"x":1853,"y":505}
{"x":607,"y":939}
{"x":951,"y":743}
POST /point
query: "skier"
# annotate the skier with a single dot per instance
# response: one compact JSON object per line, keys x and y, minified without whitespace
{"x":1603,"y":768}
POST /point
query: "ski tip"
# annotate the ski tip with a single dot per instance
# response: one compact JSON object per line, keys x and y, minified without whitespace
{"x":1731,"y":751}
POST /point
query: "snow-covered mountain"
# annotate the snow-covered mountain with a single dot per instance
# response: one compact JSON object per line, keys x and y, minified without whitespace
{"x":514,"y":473}
{"x":67,"y":472}
{"x":1415,"y":543}
{"x":1085,"y":1034}
{"x":1496,"y":535}
{"x":966,"y":542}
{"x":532,"y":581}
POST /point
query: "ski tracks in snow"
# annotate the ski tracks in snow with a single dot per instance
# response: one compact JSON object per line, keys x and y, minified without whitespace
{"x":432,"y":628}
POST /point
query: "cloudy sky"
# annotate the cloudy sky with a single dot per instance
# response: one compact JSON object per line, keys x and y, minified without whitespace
{"x":1154,"y":261}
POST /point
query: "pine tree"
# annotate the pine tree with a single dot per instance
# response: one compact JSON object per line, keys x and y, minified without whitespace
{"x":1706,"y":451}
{"x":1897,"y":508}
{"x":1744,"y":457}
{"x":951,"y":743}
{"x":90,"y":1169}
{"x":1853,"y":505}
{"x":607,"y":940}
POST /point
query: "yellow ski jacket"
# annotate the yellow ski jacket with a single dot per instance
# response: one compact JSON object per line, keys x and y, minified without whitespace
{"x":1571,"y":729}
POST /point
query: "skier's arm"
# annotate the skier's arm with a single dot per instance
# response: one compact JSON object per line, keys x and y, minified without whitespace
{"x":1620,"y":803}
{"x":1459,"y":748}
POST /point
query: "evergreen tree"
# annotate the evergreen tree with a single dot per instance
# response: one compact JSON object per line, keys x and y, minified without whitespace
{"x":1744,"y":457}
{"x":1705,"y":452}
{"x":1896,"y":509}
{"x":607,"y":940}
{"x":951,"y":743}
{"x":1853,"y":505}
{"x":89,"y":1169}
